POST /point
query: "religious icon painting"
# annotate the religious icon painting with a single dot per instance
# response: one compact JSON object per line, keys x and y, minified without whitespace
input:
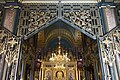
{"x":79,"y":64}
{"x":48,"y":75}
{"x":71,"y":75}
{"x":9,"y":19}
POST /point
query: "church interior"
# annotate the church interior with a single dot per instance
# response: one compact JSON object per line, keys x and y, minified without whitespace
{"x":59,"y":49}
{"x":59,"y":40}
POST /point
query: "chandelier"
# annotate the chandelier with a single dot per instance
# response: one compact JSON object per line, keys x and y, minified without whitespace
{"x":59,"y":57}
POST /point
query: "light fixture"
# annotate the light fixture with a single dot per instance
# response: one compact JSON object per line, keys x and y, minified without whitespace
{"x":58,"y":57}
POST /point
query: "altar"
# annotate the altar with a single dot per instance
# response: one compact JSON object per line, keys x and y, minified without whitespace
{"x":58,"y":66}
{"x":66,"y":72}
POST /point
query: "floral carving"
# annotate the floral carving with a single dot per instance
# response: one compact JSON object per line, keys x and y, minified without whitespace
{"x":107,"y":50}
{"x":8,"y":45}
{"x":11,"y":55}
{"x":109,"y":45}
{"x":40,"y":18}
{"x":80,"y":18}
{"x":3,"y":36}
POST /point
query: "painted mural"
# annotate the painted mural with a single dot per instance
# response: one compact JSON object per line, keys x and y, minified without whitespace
{"x":110,"y":18}
{"x":9,"y":19}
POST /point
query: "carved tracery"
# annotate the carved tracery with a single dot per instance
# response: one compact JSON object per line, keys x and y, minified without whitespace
{"x":34,"y":17}
{"x":3,"y":36}
{"x":40,"y":18}
{"x":9,"y":46}
{"x":80,"y":18}
{"x":109,"y":45}
{"x":84,"y":16}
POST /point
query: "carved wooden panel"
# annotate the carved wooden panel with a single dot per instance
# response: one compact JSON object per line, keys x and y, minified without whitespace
{"x":85,"y":16}
{"x":9,"y":46}
{"x":110,"y":46}
{"x":110,"y":43}
{"x":34,"y":16}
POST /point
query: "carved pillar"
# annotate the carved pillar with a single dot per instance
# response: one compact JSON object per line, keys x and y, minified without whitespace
{"x":42,"y":71}
{"x":96,"y":71}
{"x":3,"y":39}
{"x":118,"y":63}
{"x":23,"y":69}
{"x":79,"y":74}
{"x":109,"y":44}
{"x":4,"y":71}
{"x":12,"y":72}
{"x":10,"y":50}
{"x":3,"y":66}
{"x":40,"y":74}
{"x":115,"y":71}
{"x":18,"y":59}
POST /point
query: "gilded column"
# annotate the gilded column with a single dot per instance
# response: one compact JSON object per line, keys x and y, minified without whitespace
{"x":79,"y":75}
{"x":77,"y":71}
{"x":40,"y":74}
{"x":4,"y":71}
